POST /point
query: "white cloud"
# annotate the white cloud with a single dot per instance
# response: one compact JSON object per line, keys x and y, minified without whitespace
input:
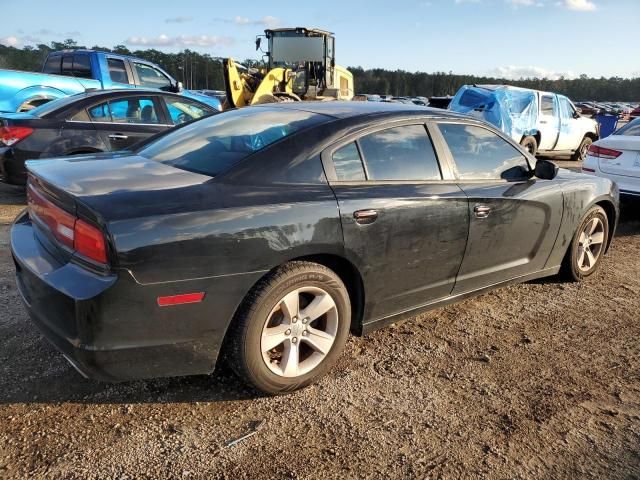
{"x":579,"y":5}
{"x":525,"y":3}
{"x":178,"y":19}
{"x":268,"y":21}
{"x":513,"y":72}
{"x":179,"y":41}
{"x":10,"y":41}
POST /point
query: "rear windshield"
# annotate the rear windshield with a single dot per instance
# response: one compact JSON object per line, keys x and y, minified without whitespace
{"x":214,"y":144}
{"x":55,"y":105}
{"x":631,"y":129}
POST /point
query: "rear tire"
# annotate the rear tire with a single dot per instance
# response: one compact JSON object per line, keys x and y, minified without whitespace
{"x":529,"y":144}
{"x":587,"y":246}
{"x":291,"y":328}
{"x":581,"y":153}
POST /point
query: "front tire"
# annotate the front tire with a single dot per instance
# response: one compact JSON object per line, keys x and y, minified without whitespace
{"x":581,"y":153}
{"x":587,"y":246}
{"x":529,"y":144}
{"x":291,"y":328}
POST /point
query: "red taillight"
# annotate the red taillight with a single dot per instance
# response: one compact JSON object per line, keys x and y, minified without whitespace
{"x":89,"y":241}
{"x":60,"y":223}
{"x":12,"y":135}
{"x":72,"y":232}
{"x":606,"y":153}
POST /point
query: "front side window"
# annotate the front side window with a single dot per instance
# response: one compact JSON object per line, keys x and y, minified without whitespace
{"x":182,"y":110}
{"x":348,"y":163}
{"x":214,"y":144}
{"x":117,"y":71}
{"x":566,"y":109}
{"x":151,"y":77}
{"x":480,"y":154}
{"x":400,"y":153}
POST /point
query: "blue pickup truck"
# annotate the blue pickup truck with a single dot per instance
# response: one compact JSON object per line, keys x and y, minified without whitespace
{"x":74,"y":71}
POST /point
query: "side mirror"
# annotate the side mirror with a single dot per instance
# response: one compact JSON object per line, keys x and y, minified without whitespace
{"x":258,"y":42}
{"x":545,"y":170}
{"x":577,"y":113}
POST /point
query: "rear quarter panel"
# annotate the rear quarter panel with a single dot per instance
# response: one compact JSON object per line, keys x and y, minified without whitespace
{"x":17,"y":87}
{"x":580,"y":193}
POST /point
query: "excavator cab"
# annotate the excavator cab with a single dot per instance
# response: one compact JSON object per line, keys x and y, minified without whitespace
{"x":309,"y":53}
{"x":301,"y":66}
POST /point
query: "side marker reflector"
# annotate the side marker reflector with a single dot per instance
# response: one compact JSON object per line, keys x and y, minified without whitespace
{"x":180,"y":299}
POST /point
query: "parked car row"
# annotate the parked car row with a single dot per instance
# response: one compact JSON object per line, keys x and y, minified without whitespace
{"x":265,"y":234}
{"x":621,"y":110}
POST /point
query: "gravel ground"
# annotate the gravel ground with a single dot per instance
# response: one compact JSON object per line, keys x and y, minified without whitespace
{"x":540,"y":380}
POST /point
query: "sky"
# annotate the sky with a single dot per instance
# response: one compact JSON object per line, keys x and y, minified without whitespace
{"x":506,"y":38}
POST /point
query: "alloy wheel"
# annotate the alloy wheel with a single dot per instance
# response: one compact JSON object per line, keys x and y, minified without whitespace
{"x":299,"y":332}
{"x":590,"y":244}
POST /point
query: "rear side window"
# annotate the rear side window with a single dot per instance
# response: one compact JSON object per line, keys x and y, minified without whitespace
{"x":348,"y":163}
{"x":547,"y":105}
{"x":481,"y":154}
{"x":214,"y":144}
{"x":117,"y":71}
{"x":81,"y":66}
{"x":52,"y":65}
{"x":400,"y":153}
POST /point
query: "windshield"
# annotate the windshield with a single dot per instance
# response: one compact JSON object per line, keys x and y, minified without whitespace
{"x":631,"y":129}
{"x":212,"y":145}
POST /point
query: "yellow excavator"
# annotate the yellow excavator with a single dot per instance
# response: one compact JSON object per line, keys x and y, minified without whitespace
{"x":301,"y":66}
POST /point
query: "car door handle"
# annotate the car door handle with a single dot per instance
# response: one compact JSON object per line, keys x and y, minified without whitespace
{"x":365,"y":217}
{"x":543,"y":121}
{"x":482,"y":211}
{"x":118,"y":136}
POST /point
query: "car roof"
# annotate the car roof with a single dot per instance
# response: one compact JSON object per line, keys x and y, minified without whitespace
{"x":348,"y":109}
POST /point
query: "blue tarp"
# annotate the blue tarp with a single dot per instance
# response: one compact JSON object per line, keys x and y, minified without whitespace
{"x":512,"y":110}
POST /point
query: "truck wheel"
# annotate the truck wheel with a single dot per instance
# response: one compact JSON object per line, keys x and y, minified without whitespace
{"x":530,"y":144}
{"x":31,"y":104}
{"x":291,"y":328}
{"x":581,"y":153}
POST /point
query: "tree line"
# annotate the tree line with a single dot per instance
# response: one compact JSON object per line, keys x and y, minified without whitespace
{"x":203,"y":71}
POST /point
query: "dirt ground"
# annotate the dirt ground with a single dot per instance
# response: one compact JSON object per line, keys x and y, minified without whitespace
{"x":540,"y":380}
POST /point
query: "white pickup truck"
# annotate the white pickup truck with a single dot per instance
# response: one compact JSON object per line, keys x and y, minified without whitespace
{"x":544,"y":123}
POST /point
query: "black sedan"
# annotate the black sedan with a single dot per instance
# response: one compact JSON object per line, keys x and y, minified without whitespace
{"x":270,"y":232}
{"x":93,"y":122}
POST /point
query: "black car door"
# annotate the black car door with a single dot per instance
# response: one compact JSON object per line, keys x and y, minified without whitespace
{"x":126,"y":120}
{"x":404,"y":219}
{"x":514,"y":217}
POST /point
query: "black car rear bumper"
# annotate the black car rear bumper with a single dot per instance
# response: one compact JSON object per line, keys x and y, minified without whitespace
{"x":110,"y":328}
{"x":12,"y":169}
